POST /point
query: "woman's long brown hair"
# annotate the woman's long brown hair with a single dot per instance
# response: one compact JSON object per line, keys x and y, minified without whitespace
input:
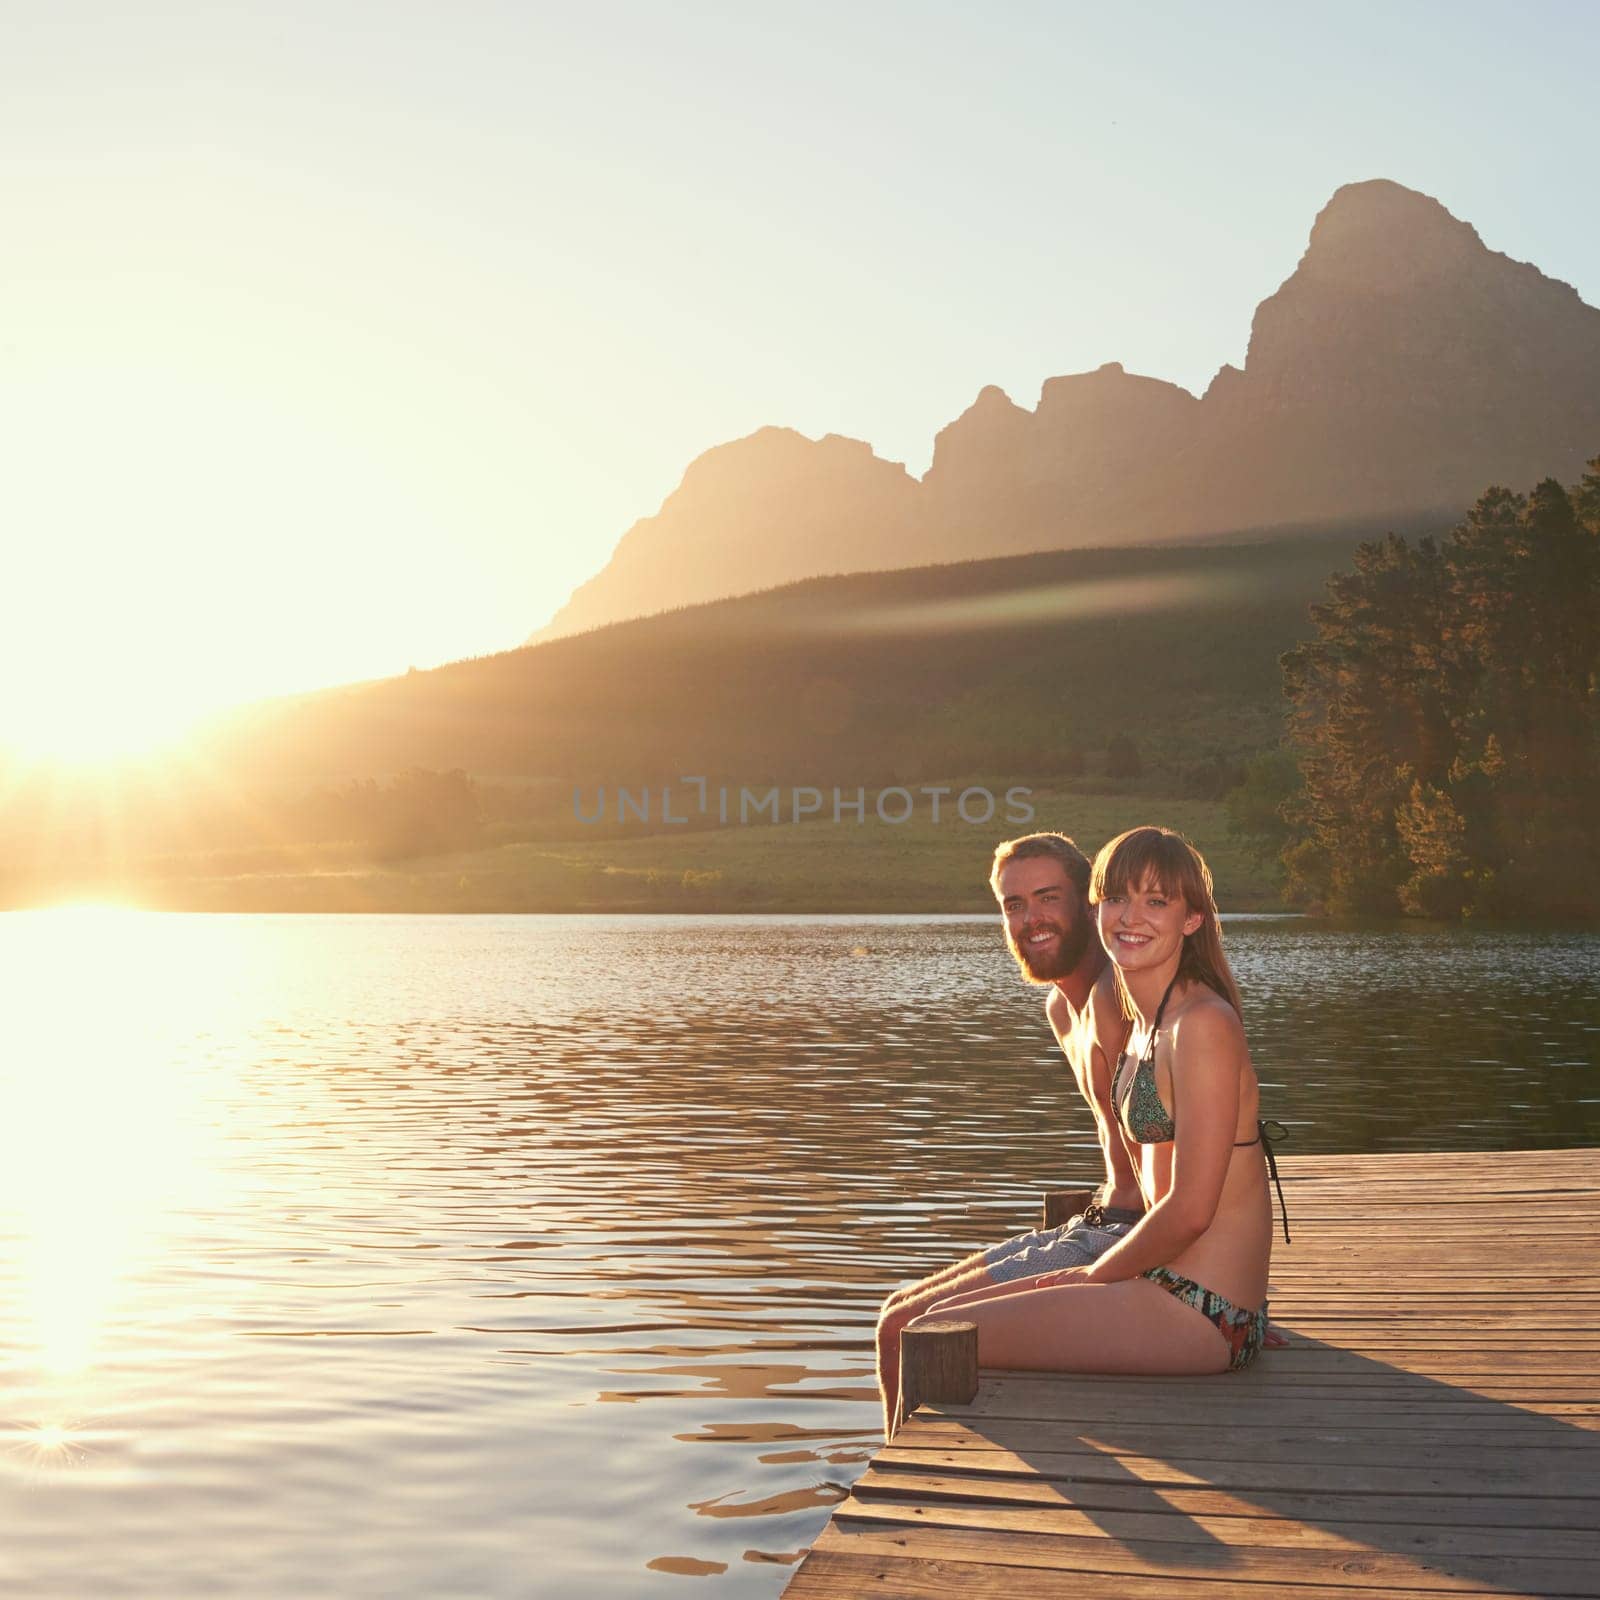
{"x":1168,"y":863}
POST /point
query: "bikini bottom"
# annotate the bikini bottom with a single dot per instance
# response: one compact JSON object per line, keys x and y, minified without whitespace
{"x":1244,"y":1330}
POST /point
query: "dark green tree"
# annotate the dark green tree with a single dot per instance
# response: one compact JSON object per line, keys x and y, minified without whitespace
{"x":1446,"y":718}
{"x":1367,"y":714}
{"x":1255,"y":805}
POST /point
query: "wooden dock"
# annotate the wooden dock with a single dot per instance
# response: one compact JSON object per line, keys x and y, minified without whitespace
{"x":1434,"y":1427}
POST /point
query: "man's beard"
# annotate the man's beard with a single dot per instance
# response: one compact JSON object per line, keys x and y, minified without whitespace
{"x":1046,"y":967}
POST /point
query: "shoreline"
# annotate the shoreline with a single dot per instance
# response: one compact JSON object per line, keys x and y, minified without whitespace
{"x":810,"y":868}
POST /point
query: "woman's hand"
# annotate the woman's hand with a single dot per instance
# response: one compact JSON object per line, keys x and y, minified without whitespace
{"x":1062,"y":1278}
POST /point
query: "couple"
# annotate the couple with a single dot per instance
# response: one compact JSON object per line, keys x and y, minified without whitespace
{"x":1167,"y":1272}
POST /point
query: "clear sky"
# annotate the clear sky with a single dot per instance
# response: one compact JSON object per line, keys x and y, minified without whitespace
{"x":338,"y":337}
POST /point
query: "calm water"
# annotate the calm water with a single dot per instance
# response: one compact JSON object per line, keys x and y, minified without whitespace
{"x":526,"y":1256}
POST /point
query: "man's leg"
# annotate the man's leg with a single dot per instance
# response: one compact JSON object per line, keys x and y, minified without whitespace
{"x":908,"y":1304}
{"x":1017,"y":1259}
{"x":918,"y":1291}
{"x":962,"y":1270}
{"x":972,"y":1272}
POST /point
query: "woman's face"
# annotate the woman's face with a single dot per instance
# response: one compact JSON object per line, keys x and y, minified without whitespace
{"x":1143,"y":928}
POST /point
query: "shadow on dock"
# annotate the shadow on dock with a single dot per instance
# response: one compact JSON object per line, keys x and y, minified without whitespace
{"x":1320,"y":1466}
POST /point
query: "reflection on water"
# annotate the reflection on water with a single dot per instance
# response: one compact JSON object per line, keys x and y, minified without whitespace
{"x":539,"y":1256}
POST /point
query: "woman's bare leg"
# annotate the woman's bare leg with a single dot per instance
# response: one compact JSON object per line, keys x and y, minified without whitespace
{"x":1133,"y":1327}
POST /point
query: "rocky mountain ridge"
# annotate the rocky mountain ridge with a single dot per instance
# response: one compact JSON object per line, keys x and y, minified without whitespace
{"x":1401,"y":367}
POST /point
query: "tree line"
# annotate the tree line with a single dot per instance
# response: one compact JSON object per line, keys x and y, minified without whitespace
{"x":418,"y":812}
{"x":1444,"y":722}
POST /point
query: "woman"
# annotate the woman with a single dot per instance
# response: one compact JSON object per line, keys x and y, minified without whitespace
{"x":1184,"y":1291}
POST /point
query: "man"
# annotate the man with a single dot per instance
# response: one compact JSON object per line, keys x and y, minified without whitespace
{"x":1042,"y":884}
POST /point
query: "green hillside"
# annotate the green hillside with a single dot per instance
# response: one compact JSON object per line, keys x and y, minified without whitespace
{"x":1026,"y":665}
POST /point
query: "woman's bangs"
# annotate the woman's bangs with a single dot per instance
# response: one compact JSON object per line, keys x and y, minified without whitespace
{"x":1140,"y":859}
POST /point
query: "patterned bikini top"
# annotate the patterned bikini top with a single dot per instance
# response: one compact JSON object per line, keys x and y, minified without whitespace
{"x":1147,"y":1121}
{"x":1144,"y":1119}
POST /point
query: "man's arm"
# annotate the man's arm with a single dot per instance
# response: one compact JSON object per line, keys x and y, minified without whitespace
{"x":1083,"y":1040}
{"x":1108,"y":1034}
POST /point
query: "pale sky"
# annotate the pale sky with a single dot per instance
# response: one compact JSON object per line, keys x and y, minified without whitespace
{"x":339,"y":338}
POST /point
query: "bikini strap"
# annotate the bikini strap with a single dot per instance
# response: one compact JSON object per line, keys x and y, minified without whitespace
{"x":1161,"y":1011}
{"x":1150,"y":1049}
{"x":1267,"y":1135}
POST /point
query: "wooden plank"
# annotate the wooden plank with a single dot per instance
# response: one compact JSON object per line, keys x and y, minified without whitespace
{"x":1486,"y":1418}
{"x":1410,"y":1397}
{"x":1507,"y":1513}
{"x":1365,"y":1419}
{"x":834,"y":1574}
{"x":1388,"y":1493}
{"x":1103,"y":1559}
{"x":1301,"y":1367}
{"x":1570,"y":1455}
{"x":1384,"y":1335}
{"x":1236,"y":1531}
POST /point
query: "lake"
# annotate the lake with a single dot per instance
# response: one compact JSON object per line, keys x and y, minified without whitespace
{"x":539,"y":1256}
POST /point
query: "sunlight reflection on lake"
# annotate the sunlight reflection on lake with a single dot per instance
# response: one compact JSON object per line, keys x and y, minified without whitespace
{"x":538,"y":1256}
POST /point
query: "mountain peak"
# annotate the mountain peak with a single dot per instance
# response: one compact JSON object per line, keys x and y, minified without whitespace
{"x":992,"y":397}
{"x":1380,"y":230}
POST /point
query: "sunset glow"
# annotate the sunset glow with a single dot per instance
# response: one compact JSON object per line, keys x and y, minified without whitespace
{"x":94,"y":712}
{"x":102,"y":1142}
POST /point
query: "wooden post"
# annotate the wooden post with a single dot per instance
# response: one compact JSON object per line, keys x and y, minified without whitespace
{"x":1060,"y":1205}
{"x":938,"y":1362}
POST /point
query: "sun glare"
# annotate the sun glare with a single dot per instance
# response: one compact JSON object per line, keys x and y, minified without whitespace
{"x":46,"y":1447}
{"x":104,"y":1144}
{"x":1075,"y":601}
{"x":84,"y":718}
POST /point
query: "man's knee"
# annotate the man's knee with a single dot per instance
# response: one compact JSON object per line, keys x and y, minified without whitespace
{"x":892,"y":1318}
{"x":900,"y":1296}
{"x":915,"y":1293}
{"x":939,"y":1303}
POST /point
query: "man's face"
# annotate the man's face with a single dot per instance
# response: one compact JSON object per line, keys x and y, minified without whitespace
{"x":1047,"y":921}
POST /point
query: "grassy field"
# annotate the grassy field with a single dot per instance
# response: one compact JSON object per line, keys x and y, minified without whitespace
{"x":814,"y":866}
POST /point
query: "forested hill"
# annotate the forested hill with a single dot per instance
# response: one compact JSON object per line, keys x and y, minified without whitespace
{"x":1027,"y":665}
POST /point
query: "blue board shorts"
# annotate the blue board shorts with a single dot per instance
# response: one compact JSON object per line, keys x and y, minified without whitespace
{"x":1076,"y":1243}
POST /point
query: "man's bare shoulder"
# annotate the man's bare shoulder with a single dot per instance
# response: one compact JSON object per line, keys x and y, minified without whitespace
{"x":1105,"y":1009}
{"x":1059,"y":1013}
